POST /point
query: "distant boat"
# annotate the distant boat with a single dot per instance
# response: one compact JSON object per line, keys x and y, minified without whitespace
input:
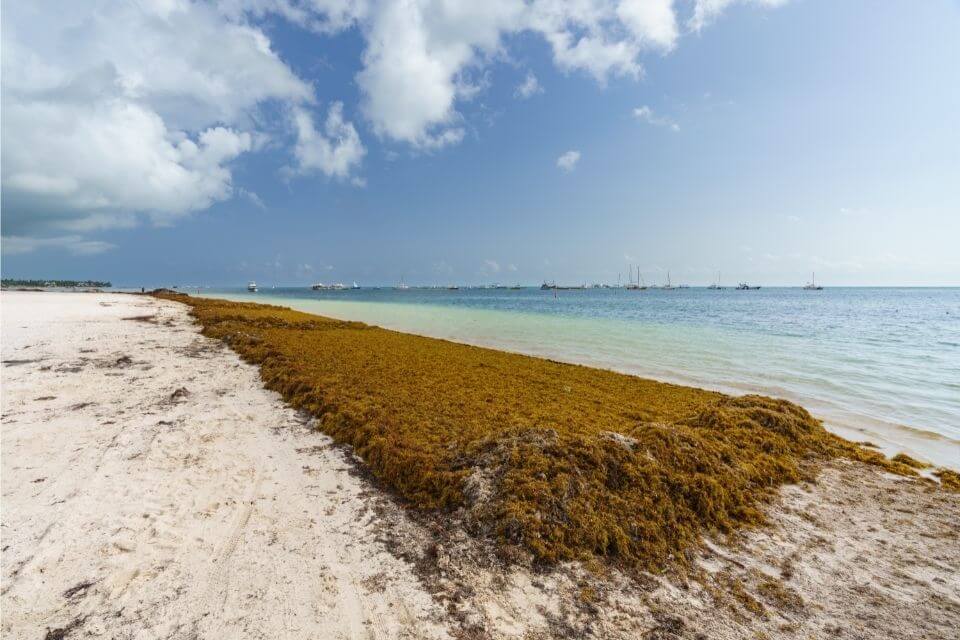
{"x":812,"y":285}
{"x":668,"y":286}
{"x":716,"y":285}
{"x":355,"y":285}
{"x":516,"y":287}
{"x":546,"y":286}
{"x":743,"y":286}
{"x":403,"y":285}
{"x":639,"y":285}
{"x":452,"y":287}
{"x":319,"y":286}
{"x":251,"y":286}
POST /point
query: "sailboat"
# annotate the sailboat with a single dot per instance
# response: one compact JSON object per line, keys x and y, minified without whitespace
{"x":638,"y":285}
{"x":668,"y":286}
{"x":812,"y":285}
{"x":716,"y":285}
{"x":402,"y":284}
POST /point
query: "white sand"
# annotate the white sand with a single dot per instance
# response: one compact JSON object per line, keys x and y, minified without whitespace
{"x":217,"y":514}
{"x":132,"y":511}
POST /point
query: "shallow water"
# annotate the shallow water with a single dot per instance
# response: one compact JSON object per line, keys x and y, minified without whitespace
{"x":878,"y":364}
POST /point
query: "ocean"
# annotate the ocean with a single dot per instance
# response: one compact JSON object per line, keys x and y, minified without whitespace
{"x":875,"y":364}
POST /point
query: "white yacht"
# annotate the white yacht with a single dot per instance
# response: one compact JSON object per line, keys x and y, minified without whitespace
{"x":319,"y":286}
{"x":252,"y":286}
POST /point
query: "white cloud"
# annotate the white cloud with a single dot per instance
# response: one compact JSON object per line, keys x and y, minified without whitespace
{"x":568,"y":161}
{"x":706,"y":11}
{"x":651,"y":21}
{"x":253,"y":198}
{"x":95,"y":165}
{"x":528,"y":88}
{"x":491,"y":265}
{"x":647,"y":115}
{"x":115,"y":111}
{"x":418,"y":52}
{"x":336,"y":152}
{"x":416,"y":60}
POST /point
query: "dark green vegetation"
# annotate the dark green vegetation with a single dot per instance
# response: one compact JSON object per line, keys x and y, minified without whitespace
{"x":11,"y":282}
{"x":566,"y":461}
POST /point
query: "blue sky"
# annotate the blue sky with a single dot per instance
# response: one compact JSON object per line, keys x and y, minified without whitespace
{"x":764,"y":139}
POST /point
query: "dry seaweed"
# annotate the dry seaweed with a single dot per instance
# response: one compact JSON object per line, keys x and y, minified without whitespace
{"x":949,"y":480}
{"x":913,"y":463}
{"x":564,"y":460}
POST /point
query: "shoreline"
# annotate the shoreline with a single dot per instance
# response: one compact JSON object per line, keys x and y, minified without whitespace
{"x":891,"y":438}
{"x":145,"y":511}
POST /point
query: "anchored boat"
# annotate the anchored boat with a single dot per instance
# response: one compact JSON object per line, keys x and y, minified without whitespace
{"x":716,"y":285}
{"x":812,"y":285}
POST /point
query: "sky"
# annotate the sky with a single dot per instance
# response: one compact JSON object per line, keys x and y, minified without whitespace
{"x":165,"y":142}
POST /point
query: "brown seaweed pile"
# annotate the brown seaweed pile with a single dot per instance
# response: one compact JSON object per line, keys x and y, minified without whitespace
{"x":566,"y":461}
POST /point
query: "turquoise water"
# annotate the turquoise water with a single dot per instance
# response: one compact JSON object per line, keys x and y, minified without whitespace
{"x":878,"y":364}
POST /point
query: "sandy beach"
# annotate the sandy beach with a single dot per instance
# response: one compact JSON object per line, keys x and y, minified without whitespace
{"x":152,"y":488}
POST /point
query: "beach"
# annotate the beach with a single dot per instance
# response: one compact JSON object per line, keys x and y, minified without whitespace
{"x":152,"y":487}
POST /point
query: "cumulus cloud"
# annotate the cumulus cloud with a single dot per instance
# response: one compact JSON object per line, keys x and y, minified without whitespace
{"x":418,"y":52}
{"x":336,"y":152}
{"x":647,"y":115}
{"x":115,"y":111}
{"x":416,"y":55}
{"x":568,"y":161}
{"x":652,"y":21}
{"x":528,"y":88}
